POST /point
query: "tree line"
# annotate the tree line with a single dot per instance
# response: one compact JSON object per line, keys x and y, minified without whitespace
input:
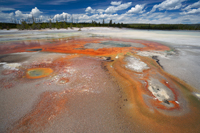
{"x":164,"y":26}
{"x":52,"y":25}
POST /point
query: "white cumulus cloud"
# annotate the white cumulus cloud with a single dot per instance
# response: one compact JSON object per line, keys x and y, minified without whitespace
{"x":168,"y":5}
{"x":35,"y":12}
{"x":20,"y":15}
{"x":89,"y":10}
{"x":6,"y":17}
{"x":113,"y":9}
{"x":194,"y":5}
{"x":136,"y":9}
{"x":124,"y":6}
{"x":115,"y":3}
{"x":100,"y":11}
{"x":63,"y":16}
{"x":193,"y":11}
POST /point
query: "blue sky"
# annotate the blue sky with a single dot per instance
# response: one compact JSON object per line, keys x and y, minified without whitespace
{"x":126,"y":11}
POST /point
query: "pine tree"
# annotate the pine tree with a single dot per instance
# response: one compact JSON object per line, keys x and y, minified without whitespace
{"x":114,"y":24}
{"x":34,"y":26}
{"x":110,"y":24}
{"x":57,"y":24}
{"x":24,"y":25}
{"x":65,"y":25}
{"x":50,"y":25}
{"x":71,"y":26}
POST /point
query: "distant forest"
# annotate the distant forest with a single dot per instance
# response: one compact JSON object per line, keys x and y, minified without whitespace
{"x":43,"y":25}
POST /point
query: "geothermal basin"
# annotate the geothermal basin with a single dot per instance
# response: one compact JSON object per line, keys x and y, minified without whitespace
{"x":99,"y":80}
